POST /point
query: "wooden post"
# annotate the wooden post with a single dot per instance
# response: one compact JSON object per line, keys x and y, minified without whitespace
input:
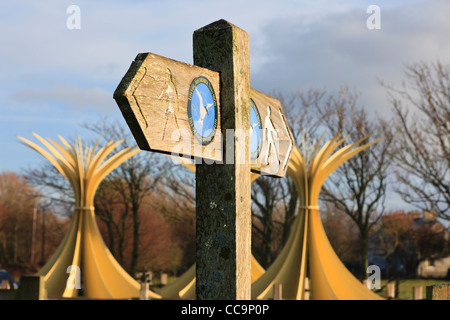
{"x":156,"y":97}
{"x":149,"y":277}
{"x":438,"y":292}
{"x":307,"y":294}
{"x":417,"y":293}
{"x":32,"y":288}
{"x":277,"y":291}
{"x":163,"y":279}
{"x":143,"y":294}
{"x":223,"y":220}
{"x":5,"y":285}
{"x":390,"y":290}
{"x":33,"y":235}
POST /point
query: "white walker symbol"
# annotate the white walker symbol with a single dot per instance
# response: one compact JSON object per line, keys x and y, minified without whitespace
{"x":170,"y":96}
{"x":269,"y":131}
{"x":271,"y":141}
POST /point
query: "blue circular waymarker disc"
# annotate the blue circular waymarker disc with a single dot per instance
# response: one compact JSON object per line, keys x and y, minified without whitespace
{"x":255,"y":131}
{"x":202,"y":110}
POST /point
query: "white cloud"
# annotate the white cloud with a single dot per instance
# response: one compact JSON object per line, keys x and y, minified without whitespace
{"x":340,"y":49}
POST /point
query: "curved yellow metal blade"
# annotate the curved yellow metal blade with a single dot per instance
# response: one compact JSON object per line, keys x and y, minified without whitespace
{"x":83,"y":246}
{"x":107,"y":278}
{"x":330,"y":279}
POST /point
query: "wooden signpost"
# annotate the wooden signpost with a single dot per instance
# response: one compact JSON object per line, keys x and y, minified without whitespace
{"x":208,"y":112}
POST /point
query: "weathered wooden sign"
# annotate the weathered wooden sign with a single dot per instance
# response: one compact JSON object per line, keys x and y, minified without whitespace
{"x":174,"y":108}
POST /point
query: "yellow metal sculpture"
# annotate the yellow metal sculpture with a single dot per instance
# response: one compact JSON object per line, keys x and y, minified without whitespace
{"x":329,"y":278}
{"x":83,"y":246}
{"x":307,"y":244}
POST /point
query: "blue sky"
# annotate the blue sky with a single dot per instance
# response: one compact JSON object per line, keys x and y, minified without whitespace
{"x":53,"y":79}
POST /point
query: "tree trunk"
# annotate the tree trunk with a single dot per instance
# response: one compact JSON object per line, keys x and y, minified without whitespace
{"x":135,"y":252}
{"x":111,"y":239}
{"x":268,"y":239}
{"x":120,"y":248}
{"x":289,"y":214}
{"x":364,"y":253}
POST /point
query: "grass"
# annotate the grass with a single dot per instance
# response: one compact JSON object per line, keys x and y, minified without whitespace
{"x":406,"y":287}
{"x":156,"y":283}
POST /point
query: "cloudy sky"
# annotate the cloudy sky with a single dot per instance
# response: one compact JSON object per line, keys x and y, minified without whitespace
{"x":54,"y":78}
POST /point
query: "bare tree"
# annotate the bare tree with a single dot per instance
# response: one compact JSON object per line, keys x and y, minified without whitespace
{"x":289,"y":199}
{"x":111,"y":209}
{"x":177,"y":190}
{"x":176,"y":203}
{"x":56,"y":191}
{"x":264,"y":198}
{"x":274,"y":202}
{"x":300,"y":111}
{"x":422,"y":145}
{"x":358,"y":187}
{"x":342,"y":233}
{"x":133,"y":180}
{"x":18,"y":199}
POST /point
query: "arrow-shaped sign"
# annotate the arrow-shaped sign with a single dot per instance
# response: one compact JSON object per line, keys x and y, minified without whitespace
{"x":174,"y":108}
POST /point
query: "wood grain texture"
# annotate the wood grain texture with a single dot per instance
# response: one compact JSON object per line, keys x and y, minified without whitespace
{"x":153,"y":98}
{"x":223,"y":236}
